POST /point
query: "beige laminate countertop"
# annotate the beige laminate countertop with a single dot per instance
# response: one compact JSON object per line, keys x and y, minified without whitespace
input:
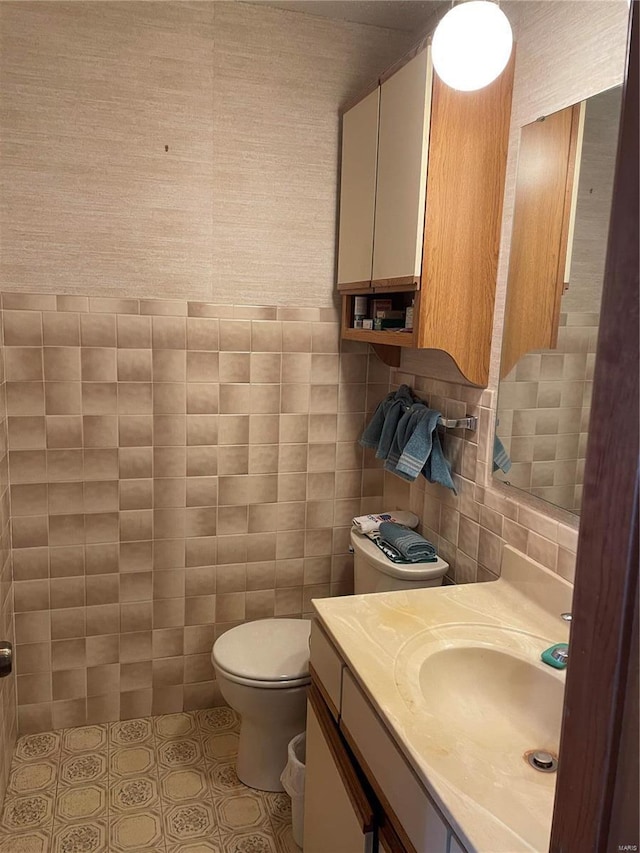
{"x":498,"y":805}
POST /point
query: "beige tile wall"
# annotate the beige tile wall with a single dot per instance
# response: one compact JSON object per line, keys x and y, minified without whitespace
{"x":470,"y":528}
{"x":565,"y":52}
{"x":8,"y":684}
{"x":543,"y":414}
{"x":175,"y":469}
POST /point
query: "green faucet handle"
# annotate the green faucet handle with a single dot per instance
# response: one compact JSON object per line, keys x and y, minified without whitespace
{"x":556,"y":656}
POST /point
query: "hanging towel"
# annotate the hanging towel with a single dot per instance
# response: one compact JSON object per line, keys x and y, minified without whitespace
{"x":501,"y":460}
{"x":381,"y":429}
{"x":403,"y":432}
{"x":416,"y":448}
{"x":437,"y":468}
{"x":407,"y":543}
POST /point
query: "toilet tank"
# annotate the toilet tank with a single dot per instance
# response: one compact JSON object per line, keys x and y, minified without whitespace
{"x":374,"y":572}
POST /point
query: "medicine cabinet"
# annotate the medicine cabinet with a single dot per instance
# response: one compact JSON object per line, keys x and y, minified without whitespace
{"x":422,"y":183}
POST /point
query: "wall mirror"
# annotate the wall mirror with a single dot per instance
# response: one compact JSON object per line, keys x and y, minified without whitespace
{"x":562,"y":207}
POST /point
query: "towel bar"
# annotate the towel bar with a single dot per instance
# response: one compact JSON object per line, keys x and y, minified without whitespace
{"x":459,"y":423}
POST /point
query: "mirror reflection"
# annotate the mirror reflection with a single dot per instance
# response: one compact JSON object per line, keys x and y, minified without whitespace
{"x":556,"y":270}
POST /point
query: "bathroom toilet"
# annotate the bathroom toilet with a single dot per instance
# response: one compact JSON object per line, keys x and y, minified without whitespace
{"x":373,"y":572}
{"x":262,"y":669}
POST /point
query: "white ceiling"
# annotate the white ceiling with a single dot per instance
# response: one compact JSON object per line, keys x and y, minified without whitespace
{"x":408,"y":15}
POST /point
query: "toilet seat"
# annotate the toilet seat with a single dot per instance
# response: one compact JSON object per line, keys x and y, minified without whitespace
{"x":267,"y":653}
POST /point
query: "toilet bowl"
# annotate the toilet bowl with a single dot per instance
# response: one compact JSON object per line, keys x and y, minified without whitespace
{"x":262,"y":669}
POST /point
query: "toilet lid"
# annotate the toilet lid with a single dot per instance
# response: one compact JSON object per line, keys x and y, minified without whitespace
{"x":265,"y":650}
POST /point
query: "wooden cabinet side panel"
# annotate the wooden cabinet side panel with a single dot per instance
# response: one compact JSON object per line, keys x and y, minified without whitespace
{"x":330,"y":822}
{"x":358,"y":190}
{"x":465,"y":189}
{"x":405,"y":104}
{"x":546,"y":166}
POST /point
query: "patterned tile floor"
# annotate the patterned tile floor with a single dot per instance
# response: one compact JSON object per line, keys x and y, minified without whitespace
{"x":155,"y":785}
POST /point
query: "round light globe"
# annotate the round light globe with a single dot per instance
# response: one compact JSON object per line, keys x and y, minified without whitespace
{"x":471,"y":45}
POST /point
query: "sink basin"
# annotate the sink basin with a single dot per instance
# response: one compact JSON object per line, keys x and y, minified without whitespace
{"x":481,"y":699}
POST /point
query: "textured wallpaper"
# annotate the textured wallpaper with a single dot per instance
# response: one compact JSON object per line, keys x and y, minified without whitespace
{"x":168,"y":149}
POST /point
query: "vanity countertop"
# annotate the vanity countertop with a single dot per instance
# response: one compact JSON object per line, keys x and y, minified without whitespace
{"x":494,"y":800}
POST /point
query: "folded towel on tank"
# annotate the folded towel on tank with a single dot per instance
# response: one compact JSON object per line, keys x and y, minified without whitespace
{"x":408,"y":543}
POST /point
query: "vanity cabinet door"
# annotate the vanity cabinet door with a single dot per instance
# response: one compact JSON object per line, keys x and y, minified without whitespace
{"x":338,"y":816}
{"x":358,"y":192}
{"x":326,"y":667}
{"x":390,"y":777}
{"x":403,"y":141}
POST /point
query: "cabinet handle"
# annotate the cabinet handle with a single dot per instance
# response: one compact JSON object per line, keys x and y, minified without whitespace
{"x":357,"y":796}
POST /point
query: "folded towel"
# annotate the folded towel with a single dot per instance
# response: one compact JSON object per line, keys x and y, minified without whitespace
{"x":408,"y":543}
{"x":500,"y":456}
{"x":371,"y":523}
{"x":394,"y":555}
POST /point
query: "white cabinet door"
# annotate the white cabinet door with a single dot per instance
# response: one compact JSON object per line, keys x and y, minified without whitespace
{"x":331,"y":823}
{"x":403,"y":141}
{"x":358,"y":191}
{"x":402,"y":790}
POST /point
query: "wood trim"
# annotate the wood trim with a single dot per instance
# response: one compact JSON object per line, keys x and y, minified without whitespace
{"x":317,"y":683}
{"x":357,"y":287}
{"x":377,"y":790}
{"x":575,"y":185}
{"x":391,"y":356}
{"x":403,"y":282}
{"x":389,"y":836}
{"x":577,"y":112}
{"x":467,"y":148}
{"x":595,"y":725}
{"x":370,"y":336}
{"x":626,"y":794}
{"x":357,"y":795}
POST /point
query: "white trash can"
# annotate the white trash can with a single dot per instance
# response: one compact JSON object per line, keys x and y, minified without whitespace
{"x":292,"y":779}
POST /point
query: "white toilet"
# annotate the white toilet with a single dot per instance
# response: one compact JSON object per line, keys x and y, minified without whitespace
{"x":262,"y":667}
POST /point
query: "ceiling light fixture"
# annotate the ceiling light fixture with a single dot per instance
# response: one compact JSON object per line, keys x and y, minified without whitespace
{"x":472,"y":45}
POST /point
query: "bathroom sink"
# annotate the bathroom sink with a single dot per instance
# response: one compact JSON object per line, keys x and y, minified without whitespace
{"x":482,"y":700}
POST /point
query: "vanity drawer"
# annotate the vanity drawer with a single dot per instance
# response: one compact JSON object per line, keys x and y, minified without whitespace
{"x":326,"y":668}
{"x":388,"y":773}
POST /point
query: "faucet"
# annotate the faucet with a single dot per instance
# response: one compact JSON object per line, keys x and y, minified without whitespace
{"x":558,"y":654}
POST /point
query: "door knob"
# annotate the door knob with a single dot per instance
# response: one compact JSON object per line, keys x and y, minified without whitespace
{"x":6,"y":658}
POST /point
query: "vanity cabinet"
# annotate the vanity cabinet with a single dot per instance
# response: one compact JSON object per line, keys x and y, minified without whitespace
{"x":422,"y":182}
{"x":360,"y":792}
{"x":542,"y":236}
{"x":339,"y":815}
